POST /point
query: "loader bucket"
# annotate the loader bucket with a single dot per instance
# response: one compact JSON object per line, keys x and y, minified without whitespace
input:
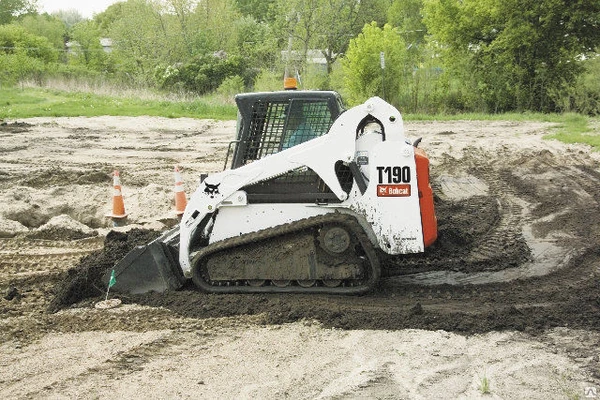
{"x":152,"y":267}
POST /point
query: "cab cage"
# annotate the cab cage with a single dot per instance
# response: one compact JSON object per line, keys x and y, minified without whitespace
{"x":266,"y":119}
{"x":271,"y":122}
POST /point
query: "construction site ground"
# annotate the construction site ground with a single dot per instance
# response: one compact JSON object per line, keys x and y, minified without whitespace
{"x":505,"y":305}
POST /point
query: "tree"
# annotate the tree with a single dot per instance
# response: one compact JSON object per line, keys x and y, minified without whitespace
{"x":363,"y":76}
{"x":257,"y":9}
{"x":215,"y":20}
{"x":50,"y":27}
{"x":341,"y":21}
{"x":22,"y":54}
{"x":326,"y":25}
{"x":141,"y":39}
{"x":70,"y":17}
{"x":300,"y":26}
{"x":9,"y":9}
{"x":517,"y":51}
{"x":408,"y":16}
{"x":106,"y":18}
{"x":256,"y":43}
{"x":15,"y":39}
{"x":88,"y":51}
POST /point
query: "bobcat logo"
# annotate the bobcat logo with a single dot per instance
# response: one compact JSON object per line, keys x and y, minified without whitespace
{"x":211,"y":190}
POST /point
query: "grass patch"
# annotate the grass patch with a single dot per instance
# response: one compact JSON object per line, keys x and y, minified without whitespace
{"x":484,"y":385}
{"x":43,"y":102}
{"x":575,"y":128}
{"x":570,"y":127}
{"x":479,"y":117}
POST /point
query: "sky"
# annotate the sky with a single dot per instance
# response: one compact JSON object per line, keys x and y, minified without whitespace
{"x":87,"y":8}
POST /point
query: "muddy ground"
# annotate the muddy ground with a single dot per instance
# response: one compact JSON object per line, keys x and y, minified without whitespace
{"x":510,"y":292}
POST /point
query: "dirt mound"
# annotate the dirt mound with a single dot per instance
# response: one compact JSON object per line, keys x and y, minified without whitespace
{"x":84,"y":280}
{"x":471,"y":238}
{"x":62,"y":227}
{"x":15,"y":127}
{"x":459,"y":233}
{"x":10,"y":228}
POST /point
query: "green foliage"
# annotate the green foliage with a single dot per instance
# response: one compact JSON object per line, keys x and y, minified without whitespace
{"x":231,"y":86}
{"x":147,"y":34}
{"x":109,"y":16}
{"x":216,"y":21}
{"x":11,"y":9}
{"x":342,"y":19}
{"x":484,"y":385}
{"x":139,"y":40}
{"x":23,"y":54}
{"x":315,"y":77}
{"x":406,"y":14}
{"x":517,"y":51}
{"x":268,"y":81}
{"x":16,"y":40}
{"x":584,"y":95}
{"x":256,"y":9}
{"x":256,"y":43}
{"x":201,"y":75}
{"x":50,"y":27}
{"x":86,"y":47}
{"x":18,"y":66}
{"x":303,"y":25}
{"x":442,"y":56}
{"x":575,"y":128}
{"x":363,"y":75}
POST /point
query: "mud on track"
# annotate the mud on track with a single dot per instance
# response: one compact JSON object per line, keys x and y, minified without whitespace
{"x":518,"y":247}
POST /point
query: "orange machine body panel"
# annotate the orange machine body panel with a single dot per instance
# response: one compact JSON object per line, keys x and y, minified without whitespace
{"x":428,"y":218}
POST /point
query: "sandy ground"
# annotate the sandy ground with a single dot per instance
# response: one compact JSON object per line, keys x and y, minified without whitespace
{"x":509,"y":296}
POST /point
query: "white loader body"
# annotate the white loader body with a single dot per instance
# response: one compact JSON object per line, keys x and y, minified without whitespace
{"x":388,"y":208}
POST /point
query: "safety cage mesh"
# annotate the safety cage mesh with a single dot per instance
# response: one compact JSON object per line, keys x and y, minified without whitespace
{"x":276,"y":126}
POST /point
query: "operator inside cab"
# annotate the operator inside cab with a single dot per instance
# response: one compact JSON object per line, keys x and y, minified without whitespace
{"x":297,"y":129}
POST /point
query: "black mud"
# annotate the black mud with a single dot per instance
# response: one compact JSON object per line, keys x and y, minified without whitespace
{"x":84,"y":280}
{"x":569,"y":297}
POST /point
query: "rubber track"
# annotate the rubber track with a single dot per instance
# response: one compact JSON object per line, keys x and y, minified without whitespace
{"x":276,"y":232}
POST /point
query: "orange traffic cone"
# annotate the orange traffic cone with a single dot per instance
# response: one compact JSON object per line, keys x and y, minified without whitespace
{"x":180,"y":199}
{"x":118,"y":206}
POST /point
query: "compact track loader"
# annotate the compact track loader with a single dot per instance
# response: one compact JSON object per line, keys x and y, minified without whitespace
{"x":314,"y":196}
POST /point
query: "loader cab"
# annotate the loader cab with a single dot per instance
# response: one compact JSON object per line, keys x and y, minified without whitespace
{"x":272,"y":122}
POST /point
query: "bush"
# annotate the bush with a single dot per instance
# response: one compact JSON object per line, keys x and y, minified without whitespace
{"x":268,"y":81}
{"x":16,"y":40}
{"x":203,"y":74}
{"x":362,"y":69}
{"x":315,"y":78}
{"x":584,"y":95}
{"x":18,"y":67}
{"x":23,"y":55}
{"x":231,"y":86}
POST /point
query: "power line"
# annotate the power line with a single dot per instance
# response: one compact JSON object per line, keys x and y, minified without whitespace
{"x":78,"y":49}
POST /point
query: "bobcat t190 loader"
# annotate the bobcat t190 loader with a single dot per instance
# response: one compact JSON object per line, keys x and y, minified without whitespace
{"x":314,"y":196}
